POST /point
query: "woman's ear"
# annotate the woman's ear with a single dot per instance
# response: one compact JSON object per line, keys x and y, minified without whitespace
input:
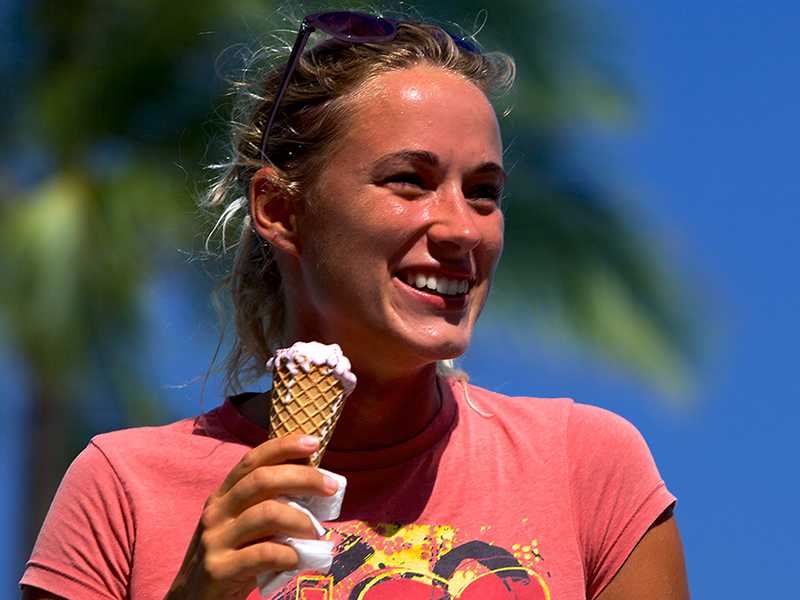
{"x":274,"y":211}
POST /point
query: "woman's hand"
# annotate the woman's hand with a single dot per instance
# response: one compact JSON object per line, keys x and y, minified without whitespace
{"x":232,"y":543}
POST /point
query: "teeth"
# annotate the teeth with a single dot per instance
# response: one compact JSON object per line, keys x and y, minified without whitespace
{"x":452,"y":287}
{"x":437,"y":283}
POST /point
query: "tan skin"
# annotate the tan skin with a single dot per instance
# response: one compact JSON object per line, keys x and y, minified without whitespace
{"x":412,"y":187}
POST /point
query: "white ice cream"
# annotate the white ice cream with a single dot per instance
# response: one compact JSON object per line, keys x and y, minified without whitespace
{"x":302,"y":355}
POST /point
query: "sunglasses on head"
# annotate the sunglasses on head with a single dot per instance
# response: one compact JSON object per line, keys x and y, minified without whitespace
{"x":348,"y":26}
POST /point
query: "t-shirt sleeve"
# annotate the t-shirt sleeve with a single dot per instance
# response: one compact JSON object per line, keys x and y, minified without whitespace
{"x":85,"y":545}
{"x":617,"y":492}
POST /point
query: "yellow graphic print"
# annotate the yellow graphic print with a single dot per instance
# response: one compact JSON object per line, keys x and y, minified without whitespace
{"x":423,"y":562}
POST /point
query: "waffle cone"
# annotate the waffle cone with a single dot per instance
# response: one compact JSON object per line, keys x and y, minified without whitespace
{"x":309,"y":402}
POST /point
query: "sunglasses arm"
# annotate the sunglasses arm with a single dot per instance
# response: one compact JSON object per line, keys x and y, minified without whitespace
{"x":306,"y":29}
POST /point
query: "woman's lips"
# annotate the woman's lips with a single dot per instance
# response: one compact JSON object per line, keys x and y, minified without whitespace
{"x":441,"y":283}
{"x":432,"y":297}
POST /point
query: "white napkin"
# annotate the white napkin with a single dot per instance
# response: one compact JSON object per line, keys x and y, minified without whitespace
{"x":315,"y":555}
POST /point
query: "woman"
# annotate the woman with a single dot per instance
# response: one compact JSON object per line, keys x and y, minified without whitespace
{"x":372,"y":170}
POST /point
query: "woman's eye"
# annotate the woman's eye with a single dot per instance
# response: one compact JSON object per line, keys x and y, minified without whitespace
{"x":487,"y":192}
{"x":404,"y":180}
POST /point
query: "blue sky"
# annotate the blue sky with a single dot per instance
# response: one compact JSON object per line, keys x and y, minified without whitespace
{"x":710,"y":161}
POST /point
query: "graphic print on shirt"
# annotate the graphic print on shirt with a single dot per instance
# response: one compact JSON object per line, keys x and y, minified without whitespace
{"x":423,"y":562}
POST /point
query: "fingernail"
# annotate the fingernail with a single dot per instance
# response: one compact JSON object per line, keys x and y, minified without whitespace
{"x":330,"y":483}
{"x":309,"y":441}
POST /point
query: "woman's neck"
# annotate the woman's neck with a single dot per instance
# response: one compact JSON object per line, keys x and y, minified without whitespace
{"x":378,"y":413}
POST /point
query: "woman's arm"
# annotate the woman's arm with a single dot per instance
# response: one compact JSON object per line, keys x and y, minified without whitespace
{"x":655,"y":568}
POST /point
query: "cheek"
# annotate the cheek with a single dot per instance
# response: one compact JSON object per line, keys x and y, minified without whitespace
{"x":348,"y":248}
{"x":387,"y":229}
{"x":493,"y":240}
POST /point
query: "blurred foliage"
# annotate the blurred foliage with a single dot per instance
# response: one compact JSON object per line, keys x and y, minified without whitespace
{"x":110,"y":107}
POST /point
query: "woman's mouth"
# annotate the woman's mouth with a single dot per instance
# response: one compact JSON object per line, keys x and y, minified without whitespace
{"x":439,"y":290}
{"x":436,"y":284}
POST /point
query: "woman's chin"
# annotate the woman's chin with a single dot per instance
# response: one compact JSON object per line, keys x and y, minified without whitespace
{"x":401,"y":350}
{"x":446,"y":348}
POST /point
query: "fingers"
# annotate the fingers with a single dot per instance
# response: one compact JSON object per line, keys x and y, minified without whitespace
{"x":264,"y":520}
{"x":249,"y":561}
{"x":265,"y":483}
{"x":231,"y":543}
{"x":272,"y":452}
{"x":267,"y":556}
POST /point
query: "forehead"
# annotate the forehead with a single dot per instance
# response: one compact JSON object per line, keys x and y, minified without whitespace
{"x":423,"y":108}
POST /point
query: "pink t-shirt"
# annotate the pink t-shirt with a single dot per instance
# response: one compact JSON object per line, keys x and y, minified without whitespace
{"x":542,"y":500}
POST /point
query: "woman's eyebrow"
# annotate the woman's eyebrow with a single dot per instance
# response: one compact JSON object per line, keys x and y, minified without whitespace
{"x":396,"y":159}
{"x":403,"y":157}
{"x":491,"y":168}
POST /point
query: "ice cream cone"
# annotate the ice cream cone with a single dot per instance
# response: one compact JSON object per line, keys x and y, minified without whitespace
{"x":310,"y":382}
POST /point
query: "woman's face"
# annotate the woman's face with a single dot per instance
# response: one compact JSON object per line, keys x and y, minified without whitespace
{"x":402,"y":233}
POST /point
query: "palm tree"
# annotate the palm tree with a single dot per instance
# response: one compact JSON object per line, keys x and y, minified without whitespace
{"x":107,"y":124}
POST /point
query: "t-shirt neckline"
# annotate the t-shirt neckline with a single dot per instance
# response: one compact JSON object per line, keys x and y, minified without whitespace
{"x":356,"y":460}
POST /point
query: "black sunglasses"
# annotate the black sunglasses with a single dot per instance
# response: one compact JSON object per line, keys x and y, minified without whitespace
{"x":348,"y":26}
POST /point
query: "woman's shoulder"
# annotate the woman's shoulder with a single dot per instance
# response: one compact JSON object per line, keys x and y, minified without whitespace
{"x":580,"y":424}
{"x":174,"y":442}
{"x":148,"y":436}
{"x":494,"y":405}
{"x":144,"y":434}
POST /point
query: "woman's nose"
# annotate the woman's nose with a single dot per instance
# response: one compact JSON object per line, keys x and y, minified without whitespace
{"x":454,"y":228}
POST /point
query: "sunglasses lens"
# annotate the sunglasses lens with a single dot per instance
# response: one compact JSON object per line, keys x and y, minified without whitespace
{"x":354,"y":26}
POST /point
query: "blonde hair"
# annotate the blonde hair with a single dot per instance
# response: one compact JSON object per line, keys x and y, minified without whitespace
{"x":313,"y":113}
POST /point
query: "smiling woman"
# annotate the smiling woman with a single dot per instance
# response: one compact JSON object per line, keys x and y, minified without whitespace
{"x":371,"y":167}
{"x":397,"y":197}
